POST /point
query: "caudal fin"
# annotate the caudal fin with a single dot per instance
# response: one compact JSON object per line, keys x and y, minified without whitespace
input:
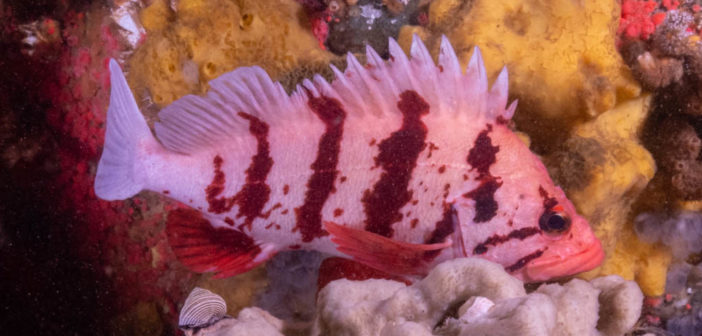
{"x":117,"y":175}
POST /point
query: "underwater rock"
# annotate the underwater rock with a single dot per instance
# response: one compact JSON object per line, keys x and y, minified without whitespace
{"x":651,"y":70}
{"x":679,"y":311}
{"x":561,"y":55}
{"x":677,"y":150}
{"x":368,"y":22}
{"x":670,"y":64}
{"x":492,"y":303}
{"x":292,"y":285}
{"x":678,"y":36}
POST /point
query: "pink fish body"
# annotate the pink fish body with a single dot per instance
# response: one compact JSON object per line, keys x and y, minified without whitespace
{"x":399,"y":165}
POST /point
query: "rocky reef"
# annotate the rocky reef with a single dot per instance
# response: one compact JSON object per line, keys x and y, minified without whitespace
{"x":609,"y":96}
{"x":459,"y":297}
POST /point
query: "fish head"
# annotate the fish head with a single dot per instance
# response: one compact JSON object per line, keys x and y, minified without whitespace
{"x":512,"y":213}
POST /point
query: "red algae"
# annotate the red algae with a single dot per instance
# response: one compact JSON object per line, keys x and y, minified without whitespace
{"x":124,"y":239}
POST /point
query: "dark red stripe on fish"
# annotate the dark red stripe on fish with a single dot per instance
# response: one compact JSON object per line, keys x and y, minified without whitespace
{"x":321,"y":183}
{"x":442,"y":229}
{"x":482,"y":155}
{"x":525,"y":260}
{"x":398,"y":157}
{"x":549,"y":202}
{"x":484,"y":197}
{"x":255,"y":193}
{"x":497,"y":239}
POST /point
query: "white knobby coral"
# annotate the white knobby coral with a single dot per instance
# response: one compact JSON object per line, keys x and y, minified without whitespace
{"x":492,"y":303}
{"x":460,"y":297}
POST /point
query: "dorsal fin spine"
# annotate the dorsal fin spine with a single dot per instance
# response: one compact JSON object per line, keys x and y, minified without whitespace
{"x":475,"y":82}
{"x":450,"y":73}
{"x":509,"y":113}
{"x":311,"y":88}
{"x":498,"y":95}
{"x":363,"y":77}
{"x":419,"y":52}
{"x":324,"y":87}
{"x":380,"y":67}
{"x":427,"y":70}
{"x":403,"y":69}
{"x":355,"y":98}
{"x":448,"y":59}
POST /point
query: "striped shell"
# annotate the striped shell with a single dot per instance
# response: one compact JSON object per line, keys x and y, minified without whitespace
{"x":201,"y":308}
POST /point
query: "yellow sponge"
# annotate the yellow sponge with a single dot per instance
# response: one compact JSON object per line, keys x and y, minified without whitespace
{"x":561,"y":55}
{"x":607,"y":152}
{"x":202,"y":39}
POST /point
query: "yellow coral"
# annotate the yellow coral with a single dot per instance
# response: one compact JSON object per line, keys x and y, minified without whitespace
{"x":618,"y":169}
{"x":200,"y":40}
{"x":561,"y":56}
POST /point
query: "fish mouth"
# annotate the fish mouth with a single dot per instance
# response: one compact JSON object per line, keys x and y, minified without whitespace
{"x":558,"y":266}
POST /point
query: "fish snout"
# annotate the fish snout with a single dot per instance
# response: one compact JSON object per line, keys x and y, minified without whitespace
{"x":554,"y":265}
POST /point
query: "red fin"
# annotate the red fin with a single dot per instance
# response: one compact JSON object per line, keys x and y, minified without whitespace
{"x":382,"y":253}
{"x":203,"y":248}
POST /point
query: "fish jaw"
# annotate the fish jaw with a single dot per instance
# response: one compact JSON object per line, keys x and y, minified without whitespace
{"x":553,"y":266}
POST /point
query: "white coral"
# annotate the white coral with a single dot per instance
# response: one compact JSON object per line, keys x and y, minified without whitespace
{"x":384,"y":307}
{"x":491,"y":302}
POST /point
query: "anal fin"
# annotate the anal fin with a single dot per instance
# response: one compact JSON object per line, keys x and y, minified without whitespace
{"x":202,"y":247}
{"x":382,"y":253}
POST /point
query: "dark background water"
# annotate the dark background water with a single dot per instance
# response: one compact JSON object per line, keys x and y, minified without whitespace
{"x":44,"y":288}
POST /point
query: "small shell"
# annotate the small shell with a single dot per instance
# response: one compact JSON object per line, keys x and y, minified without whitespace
{"x":201,"y":308}
{"x":475,"y":308}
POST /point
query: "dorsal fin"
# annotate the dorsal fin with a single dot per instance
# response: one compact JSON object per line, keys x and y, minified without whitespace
{"x":193,"y":122}
{"x":375,"y":88}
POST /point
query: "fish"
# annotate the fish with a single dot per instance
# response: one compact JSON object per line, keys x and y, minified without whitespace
{"x":399,"y":165}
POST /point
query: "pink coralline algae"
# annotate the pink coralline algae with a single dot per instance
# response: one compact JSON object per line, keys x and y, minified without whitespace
{"x":126,"y":239}
{"x":639,"y":19}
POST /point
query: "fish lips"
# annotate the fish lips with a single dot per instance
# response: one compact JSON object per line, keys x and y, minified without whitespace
{"x":558,"y":267}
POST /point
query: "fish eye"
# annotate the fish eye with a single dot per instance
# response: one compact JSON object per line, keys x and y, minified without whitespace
{"x":554,"y":222}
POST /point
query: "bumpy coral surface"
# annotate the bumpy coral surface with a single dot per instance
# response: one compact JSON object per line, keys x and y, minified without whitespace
{"x":489,"y":302}
{"x":492,"y":303}
{"x":561,"y":55}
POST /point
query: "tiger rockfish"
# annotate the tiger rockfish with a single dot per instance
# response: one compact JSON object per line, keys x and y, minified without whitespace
{"x":399,"y":165}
